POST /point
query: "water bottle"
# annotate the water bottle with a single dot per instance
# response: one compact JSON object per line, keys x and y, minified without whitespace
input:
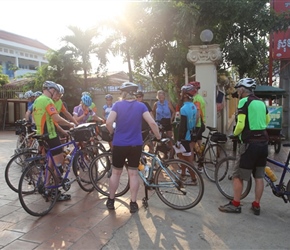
{"x":146,"y":170}
{"x":60,"y":168}
{"x":141,"y":166}
{"x":270,"y":174}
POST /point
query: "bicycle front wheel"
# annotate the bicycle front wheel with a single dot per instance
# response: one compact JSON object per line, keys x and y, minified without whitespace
{"x":81,"y":164}
{"x":212,"y":155}
{"x":16,"y":166}
{"x":100,"y":173}
{"x":175,"y":190}
{"x":224,"y":178}
{"x":36,"y":197}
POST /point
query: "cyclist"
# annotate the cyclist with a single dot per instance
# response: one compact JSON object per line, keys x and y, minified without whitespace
{"x":93,"y":105}
{"x":188,"y":119}
{"x":83,"y":113}
{"x":45,"y":115}
{"x":200,"y":104}
{"x":29,"y":95}
{"x":251,"y":127}
{"x":108,"y":106}
{"x":127,"y":140}
{"x":60,"y":107}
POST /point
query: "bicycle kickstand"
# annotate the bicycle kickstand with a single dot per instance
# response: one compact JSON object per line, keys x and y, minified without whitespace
{"x":145,"y":199}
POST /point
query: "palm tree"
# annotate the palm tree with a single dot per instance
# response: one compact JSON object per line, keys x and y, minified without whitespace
{"x":82,"y":46}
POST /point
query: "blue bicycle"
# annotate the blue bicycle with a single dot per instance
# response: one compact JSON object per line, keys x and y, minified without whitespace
{"x":223,"y":177}
{"x":39,"y":184}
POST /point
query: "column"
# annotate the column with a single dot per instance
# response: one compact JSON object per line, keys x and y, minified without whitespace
{"x":205,"y":58}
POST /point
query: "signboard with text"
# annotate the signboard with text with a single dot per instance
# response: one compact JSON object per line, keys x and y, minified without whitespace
{"x":281,"y":40}
{"x":275,"y":113}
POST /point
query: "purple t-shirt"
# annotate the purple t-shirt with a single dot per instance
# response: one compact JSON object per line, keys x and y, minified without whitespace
{"x":78,"y":111}
{"x":128,"y":131}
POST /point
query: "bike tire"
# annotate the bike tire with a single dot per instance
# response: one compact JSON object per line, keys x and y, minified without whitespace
{"x":223,"y":177}
{"x":35,"y":198}
{"x":184,"y":195}
{"x":16,"y":166}
{"x":81,"y":164}
{"x":212,"y":155}
{"x":100,"y":173}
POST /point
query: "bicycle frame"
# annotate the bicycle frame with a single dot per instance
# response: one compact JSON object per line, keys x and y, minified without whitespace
{"x":279,"y":190}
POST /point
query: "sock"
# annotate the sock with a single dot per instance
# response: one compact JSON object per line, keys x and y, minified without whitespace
{"x":235,"y":203}
{"x":255,"y":204}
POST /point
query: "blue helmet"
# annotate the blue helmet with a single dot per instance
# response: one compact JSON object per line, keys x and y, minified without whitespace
{"x":86,"y":100}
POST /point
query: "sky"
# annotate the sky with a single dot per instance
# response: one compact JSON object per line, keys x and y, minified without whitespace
{"x":47,"y":20}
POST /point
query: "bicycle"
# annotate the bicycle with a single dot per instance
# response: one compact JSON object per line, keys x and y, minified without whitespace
{"x":164,"y":177}
{"x":25,"y":133}
{"x":224,"y":179}
{"x":213,"y":152}
{"x":38,"y":184}
{"x":164,"y":151}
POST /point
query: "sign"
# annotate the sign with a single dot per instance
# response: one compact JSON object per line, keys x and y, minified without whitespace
{"x":281,"y":40}
{"x":275,"y":113}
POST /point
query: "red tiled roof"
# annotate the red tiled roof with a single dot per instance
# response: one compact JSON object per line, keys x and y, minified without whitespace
{"x":22,"y":39}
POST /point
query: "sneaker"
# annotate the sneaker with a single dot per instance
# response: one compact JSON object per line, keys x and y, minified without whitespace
{"x":230,"y":208}
{"x":256,"y":210}
{"x":186,"y":172}
{"x":200,"y":169}
{"x":110,"y":204}
{"x":133,"y":207}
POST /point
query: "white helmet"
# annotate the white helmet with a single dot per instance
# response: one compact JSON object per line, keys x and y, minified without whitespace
{"x":247,"y":83}
{"x":28,"y":94}
{"x":61,"y":89}
{"x":129,"y":87}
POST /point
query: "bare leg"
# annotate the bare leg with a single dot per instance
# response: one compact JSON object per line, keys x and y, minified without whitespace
{"x":134,"y":183}
{"x":259,"y":188}
{"x":114,"y":181}
{"x":238,"y":188}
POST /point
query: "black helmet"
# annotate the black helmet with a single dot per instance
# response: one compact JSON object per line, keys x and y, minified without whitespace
{"x":129,"y":87}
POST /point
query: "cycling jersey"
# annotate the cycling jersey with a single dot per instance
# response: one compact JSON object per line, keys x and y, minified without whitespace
{"x":107,"y":110}
{"x":253,"y":113}
{"x":200,"y":104}
{"x":78,"y":111}
{"x":60,"y":106}
{"x":188,"y":120}
{"x":162,"y":110}
{"x":43,"y":109}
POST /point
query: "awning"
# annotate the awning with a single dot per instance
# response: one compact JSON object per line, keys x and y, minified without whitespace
{"x":269,"y":92}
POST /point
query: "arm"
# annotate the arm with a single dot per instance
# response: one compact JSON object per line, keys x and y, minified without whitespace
{"x":172,"y":111}
{"x":182,"y":127}
{"x":70,"y":117}
{"x":110,"y":120}
{"x":59,"y":120}
{"x":148,"y":118}
{"x":240,"y":124}
{"x":154,"y":110}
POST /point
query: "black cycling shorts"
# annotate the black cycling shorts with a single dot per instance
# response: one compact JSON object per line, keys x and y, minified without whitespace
{"x":131,"y":153}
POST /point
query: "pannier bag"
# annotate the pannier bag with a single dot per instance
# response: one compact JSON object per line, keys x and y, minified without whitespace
{"x":219,"y":137}
{"x":105,"y":134}
{"x":84,"y":132}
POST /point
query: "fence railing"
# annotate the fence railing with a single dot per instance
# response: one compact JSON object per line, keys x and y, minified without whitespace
{"x":9,"y":93}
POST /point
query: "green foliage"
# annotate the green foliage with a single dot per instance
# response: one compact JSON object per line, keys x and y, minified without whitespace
{"x":3,"y":78}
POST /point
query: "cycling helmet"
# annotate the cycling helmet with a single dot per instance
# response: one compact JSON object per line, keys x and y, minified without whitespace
{"x":86,"y":93}
{"x":189,"y":90}
{"x":37,"y":93}
{"x":139,"y":92}
{"x":50,"y":85}
{"x":108,"y":96}
{"x":61,"y":89}
{"x":247,"y":83}
{"x":129,"y":87}
{"x":86,"y":100}
{"x":195,"y":84}
{"x":28,"y":94}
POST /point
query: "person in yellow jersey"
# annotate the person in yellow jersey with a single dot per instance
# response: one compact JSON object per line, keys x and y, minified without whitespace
{"x":45,"y":116}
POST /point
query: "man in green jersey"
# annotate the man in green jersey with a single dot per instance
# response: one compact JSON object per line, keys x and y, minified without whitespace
{"x":45,"y":116}
{"x":253,"y":119}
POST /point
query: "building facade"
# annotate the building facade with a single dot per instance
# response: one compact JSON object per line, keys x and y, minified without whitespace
{"x":20,"y":55}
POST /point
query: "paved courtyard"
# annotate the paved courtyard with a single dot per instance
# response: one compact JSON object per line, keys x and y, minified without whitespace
{"x":85,"y":223}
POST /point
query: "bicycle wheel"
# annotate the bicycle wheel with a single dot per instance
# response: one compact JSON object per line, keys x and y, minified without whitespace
{"x":174,"y":190}
{"x":35,"y":196}
{"x":81,"y":164}
{"x":223,"y":177}
{"x":100,"y":173}
{"x":212,"y":155}
{"x":16,"y":166}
